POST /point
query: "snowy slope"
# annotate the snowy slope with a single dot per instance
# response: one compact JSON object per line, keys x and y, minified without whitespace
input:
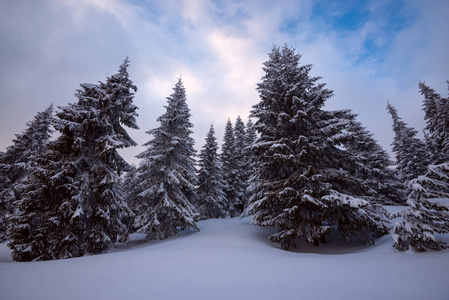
{"x":231,"y":259}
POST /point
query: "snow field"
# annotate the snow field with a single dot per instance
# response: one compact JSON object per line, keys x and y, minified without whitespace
{"x":231,"y":259}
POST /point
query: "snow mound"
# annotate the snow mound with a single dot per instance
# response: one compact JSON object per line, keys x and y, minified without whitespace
{"x":231,"y":259}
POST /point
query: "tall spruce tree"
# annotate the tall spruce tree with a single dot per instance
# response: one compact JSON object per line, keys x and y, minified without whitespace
{"x":234,"y":187}
{"x":436,"y":109}
{"x":17,"y":159}
{"x":7,"y":197}
{"x":373,"y":166}
{"x":74,"y":203}
{"x":211,"y":197}
{"x":241,"y":163}
{"x":305,"y":182}
{"x":128,"y":186}
{"x":166,"y":177}
{"x":425,"y":217}
{"x":250,"y":136}
{"x":107,"y":223}
{"x":250,"y":140}
{"x":411,"y":155}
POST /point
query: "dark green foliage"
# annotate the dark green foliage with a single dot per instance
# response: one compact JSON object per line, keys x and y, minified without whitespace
{"x":45,"y":229}
{"x":250,"y":165}
{"x":411,"y":155}
{"x":241,"y":165}
{"x":425,"y":216}
{"x":211,"y":197}
{"x":373,"y":166}
{"x":306,"y":181}
{"x":74,"y":203}
{"x":232,"y":172}
{"x":16,"y":161}
{"x":436,"y":109}
{"x":166,"y":178}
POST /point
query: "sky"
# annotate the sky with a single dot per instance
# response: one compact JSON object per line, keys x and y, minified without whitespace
{"x":367,"y":52}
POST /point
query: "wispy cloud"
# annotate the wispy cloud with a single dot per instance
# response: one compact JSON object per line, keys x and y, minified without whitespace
{"x":367,"y":51}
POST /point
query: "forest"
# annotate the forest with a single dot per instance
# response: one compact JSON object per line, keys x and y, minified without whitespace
{"x":293,"y":166}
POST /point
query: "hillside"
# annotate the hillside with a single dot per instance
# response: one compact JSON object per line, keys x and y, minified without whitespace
{"x":231,"y":259}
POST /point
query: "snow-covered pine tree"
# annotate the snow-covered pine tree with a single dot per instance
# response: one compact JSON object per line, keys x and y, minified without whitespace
{"x":49,"y":222}
{"x":234,"y":187}
{"x":436,"y":109}
{"x":241,"y":163}
{"x":211,"y":197}
{"x":250,"y":135}
{"x":411,"y":156}
{"x":14,"y":163}
{"x":109,"y":211}
{"x":425,"y":216}
{"x":373,"y":166}
{"x":46,"y":228}
{"x":305,"y":182}
{"x":166,"y":177}
{"x":227,"y":157}
{"x":128,"y":186}
{"x":250,"y":139}
{"x":74,"y":203}
{"x":6,"y":197}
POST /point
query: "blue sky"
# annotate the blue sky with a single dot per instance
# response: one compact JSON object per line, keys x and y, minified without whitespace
{"x":368,"y":52}
{"x":346,"y":18}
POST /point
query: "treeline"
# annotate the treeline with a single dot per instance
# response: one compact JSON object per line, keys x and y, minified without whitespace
{"x":299,"y":168}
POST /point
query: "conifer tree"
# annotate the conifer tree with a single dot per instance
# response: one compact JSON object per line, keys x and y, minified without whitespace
{"x":166,"y":177}
{"x":411,"y":155}
{"x":17,"y":159}
{"x":241,"y":163}
{"x":373,"y":166}
{"x":305,"y":182}
{"x":128,"y":185}
{"x":239,"y":138}
{"x":211,"y":197}
{"x":234,"y":187}
{"x":436,"y":109}
{"x":250,"y":139}
{"x":46,"y":228}
{"x":424,"y":217}
{"x":107,"y":223}
{"x":74,"y":203}
{"x":6,"y":197}
{"x":250,"y":135}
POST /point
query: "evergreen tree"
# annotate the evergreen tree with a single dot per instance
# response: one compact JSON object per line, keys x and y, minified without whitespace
{"x":305,"y":182}
{"x":241,"y":163}
{"x":424,"y":217}
{"x":250,"y":135}
{"x":250,"y":140}
{"x":234,"y":187}
{"x":411,"y":155}
{"x":6,"y":197}
{"x":46,"y":228}
{"x":166,"y":177}
{"x":74,"y":203}
{"x":110,"y":212}
{"x":373,"y":166}
{"x":128,"y":185}
{"x":211,"y":197}
{"x":15,"y":162}
{"x":436,"y":109}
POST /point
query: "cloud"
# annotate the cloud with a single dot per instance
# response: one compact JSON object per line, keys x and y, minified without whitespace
{"x":80,"y":9}
{"x":367,"y":54}
{"x":239,"y":63}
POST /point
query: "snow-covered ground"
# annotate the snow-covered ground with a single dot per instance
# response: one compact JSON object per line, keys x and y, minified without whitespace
{"x":231,"y":259}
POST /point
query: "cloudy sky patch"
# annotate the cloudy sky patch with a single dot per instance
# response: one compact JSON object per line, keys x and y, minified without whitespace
{"x":368,"y":52}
